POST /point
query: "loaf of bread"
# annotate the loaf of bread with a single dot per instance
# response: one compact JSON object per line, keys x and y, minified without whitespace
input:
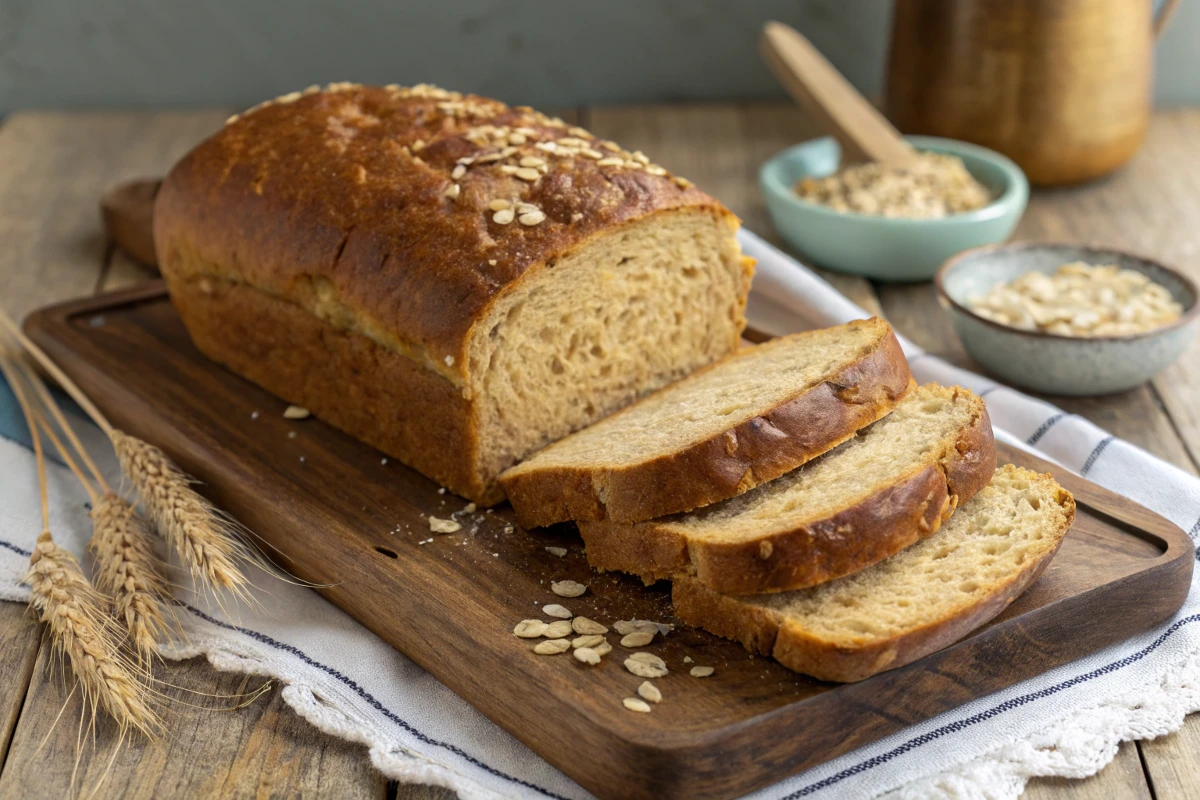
{"x":914,"y":603}
{"x":719,"y":432}
{"x":892,"y":484}
{"x":454,"y":281}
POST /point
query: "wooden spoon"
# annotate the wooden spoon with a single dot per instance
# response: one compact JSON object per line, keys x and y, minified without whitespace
{"x":864,"y":133}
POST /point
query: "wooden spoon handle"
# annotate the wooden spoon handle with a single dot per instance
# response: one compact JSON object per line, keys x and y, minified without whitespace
{"x":864,"y":133}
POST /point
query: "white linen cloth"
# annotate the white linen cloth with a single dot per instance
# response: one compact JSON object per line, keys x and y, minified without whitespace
{"x":348,"y":682}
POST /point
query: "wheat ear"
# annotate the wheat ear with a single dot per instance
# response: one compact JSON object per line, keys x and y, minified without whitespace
{"x":130,"y":572}
{"x":75,"y":614}
{"x":127,"y":568}
{"x":77,"y":618}
{"x":208,"y":542}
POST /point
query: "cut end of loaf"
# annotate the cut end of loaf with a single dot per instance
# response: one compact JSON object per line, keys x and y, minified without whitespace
{"x":621,"y":314}
{"x":907,"y":606}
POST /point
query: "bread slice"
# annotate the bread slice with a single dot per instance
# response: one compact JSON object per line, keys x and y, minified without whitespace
{"x":912,"y":604}
{"x":893,"y":484}
{"x":719,"y":432}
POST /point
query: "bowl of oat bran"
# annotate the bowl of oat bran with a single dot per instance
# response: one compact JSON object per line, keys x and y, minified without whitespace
{"x":1066,"y":319}
{"x":890,"y":227}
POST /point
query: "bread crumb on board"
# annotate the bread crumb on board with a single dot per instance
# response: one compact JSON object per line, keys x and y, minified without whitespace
{"x":296,"y":412}
{"x":438,"y":525}
{"x":568,"y":588}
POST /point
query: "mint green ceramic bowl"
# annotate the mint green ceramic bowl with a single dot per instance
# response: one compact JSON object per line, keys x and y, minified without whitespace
{"x":880,"y":247}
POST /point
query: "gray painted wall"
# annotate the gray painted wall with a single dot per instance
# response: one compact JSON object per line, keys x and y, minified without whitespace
{"x":140,"y":53}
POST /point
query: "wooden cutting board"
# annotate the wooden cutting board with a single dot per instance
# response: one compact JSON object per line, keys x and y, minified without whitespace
{"x":342,"y":517}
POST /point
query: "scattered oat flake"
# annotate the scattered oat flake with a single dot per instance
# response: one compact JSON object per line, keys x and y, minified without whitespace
{"x":644,"y":670}
{"x":443,"y":525}
{"x":567,"y":588}
{"x":586,"y":641}
{"x":586,"y":655}
{"x":557,"y":551}
{"x":636,"y":704}
{"x":583,"y":625}
{"x":604,"y":648}
{"x":552,"y":647}
{"x":442,"y":490}
{"x":687,"y":659}
{"x":530,"y":628}
{"x":637,"y":639}
{"x":558,"y":630}
{"x":296,"y":412}
{"x":555,"y":610}
{"x":625,"y":627}
{"x":646,"y":665}
{"x":469,"y":508}
{"x":650,"y":692}
{"x":701,"y":672}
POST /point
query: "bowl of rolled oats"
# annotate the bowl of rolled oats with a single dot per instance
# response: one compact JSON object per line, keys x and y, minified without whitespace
{"x":894,"y":224}
{"x":1068,"y":320}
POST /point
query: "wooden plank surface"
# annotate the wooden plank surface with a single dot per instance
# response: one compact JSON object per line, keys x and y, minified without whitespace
{"x":1172,"y":762}
{"x":1123,"y":779}
{"x":213,"y":748}
{"x":55,"y":167}
{"x":47,"y":214}
{"x":20,"y":636}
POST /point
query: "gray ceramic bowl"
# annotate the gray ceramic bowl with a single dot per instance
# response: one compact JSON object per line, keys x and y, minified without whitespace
{"x":881,"y":247}
{"x":1051,"y":363}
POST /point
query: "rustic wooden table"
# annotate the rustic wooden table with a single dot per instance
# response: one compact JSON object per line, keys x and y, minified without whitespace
{"x":54,"y":168}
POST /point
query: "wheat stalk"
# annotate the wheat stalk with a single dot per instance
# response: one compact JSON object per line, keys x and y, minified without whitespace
{"x":75,"y":614}
{"x":128,"y":569}
{"x":207,"y":541}
{"x":130,"y":572}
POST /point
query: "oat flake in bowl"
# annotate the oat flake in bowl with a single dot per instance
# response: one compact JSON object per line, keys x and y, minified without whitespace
{"x":1030,"y":357}
{"x":936,"y":185}
{"x":1080,"y":299}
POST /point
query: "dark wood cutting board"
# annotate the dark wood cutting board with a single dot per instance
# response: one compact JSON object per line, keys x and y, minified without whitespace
{"x":343,"y":518}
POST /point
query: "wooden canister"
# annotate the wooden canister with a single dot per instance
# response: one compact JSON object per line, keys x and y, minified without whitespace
{"x":1062,"y":87}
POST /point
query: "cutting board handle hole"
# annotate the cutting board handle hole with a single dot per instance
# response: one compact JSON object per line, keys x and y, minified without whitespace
{"x":386,"y":552}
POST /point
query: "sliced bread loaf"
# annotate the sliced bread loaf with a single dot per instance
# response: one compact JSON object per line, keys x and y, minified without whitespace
{"x":892,"y":484}
{"x":719,"y":432}
{"x":912,"y":604}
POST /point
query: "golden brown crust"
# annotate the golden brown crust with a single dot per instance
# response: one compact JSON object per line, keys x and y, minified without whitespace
{"x":769,"y":633}
{"x":727,"y":463}
{"x":366,"y":169}
{"x":368,"y":210}
{"x":355,"y":385}
{"x":880,"y":525}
